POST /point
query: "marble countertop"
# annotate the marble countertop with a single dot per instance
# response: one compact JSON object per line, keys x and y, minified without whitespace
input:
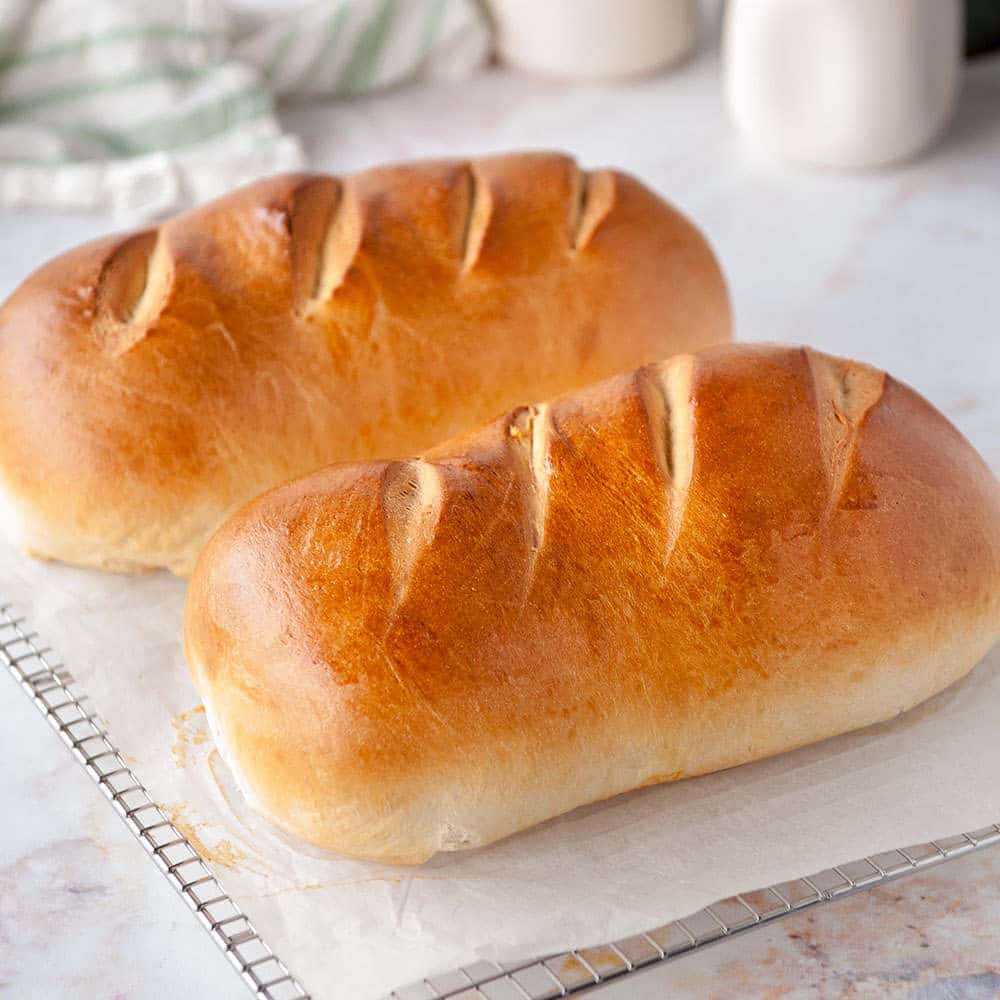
{"x":898,"y":267}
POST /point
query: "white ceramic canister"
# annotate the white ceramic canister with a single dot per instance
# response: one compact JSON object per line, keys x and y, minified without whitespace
{"x":842,"y":83}
{"x":594,"y":39}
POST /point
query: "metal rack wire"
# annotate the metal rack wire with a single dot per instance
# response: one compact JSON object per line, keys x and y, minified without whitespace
{"x":575,"y":972}
{"x":57,"y":696}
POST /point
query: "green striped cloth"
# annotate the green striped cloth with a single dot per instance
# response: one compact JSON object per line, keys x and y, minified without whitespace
{"x":139,"y":108}
{"x":340,"y":49}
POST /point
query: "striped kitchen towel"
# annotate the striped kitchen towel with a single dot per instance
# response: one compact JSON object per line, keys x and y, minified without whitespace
{"x":331,"y":49}
{"x":140,"y":108}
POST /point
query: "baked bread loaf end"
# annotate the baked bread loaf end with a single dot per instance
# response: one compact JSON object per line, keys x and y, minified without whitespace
{"x":697,"y":564}
{"x":155,"y":381}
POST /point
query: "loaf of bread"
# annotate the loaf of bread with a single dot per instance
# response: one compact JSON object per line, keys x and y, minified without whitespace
{"x":154,"y":382}
{"x":683,"y":568}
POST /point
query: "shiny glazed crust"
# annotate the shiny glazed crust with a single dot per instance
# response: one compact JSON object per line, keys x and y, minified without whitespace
{"x":155,"y":381}
{"x":690,"y":566}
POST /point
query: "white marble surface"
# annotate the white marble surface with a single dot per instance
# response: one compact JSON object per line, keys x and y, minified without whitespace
{"x":896,"y":267}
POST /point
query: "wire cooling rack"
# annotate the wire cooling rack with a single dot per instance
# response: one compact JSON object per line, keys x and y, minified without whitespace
{"x":57,"y":696}
{"x":576,"y":972}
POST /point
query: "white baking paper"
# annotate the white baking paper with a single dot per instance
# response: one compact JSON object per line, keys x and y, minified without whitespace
{"x":353,"y":929}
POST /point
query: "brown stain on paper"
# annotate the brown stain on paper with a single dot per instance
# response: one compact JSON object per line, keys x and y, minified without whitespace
{"x":190,"y":730}
{"x":224,"y":852}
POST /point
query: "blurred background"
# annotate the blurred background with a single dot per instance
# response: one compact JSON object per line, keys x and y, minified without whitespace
{"x":138,"y":108}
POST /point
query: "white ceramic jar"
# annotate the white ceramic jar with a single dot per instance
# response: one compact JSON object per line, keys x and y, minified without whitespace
{"x":594,"y":39}
{"x":842,"y":83}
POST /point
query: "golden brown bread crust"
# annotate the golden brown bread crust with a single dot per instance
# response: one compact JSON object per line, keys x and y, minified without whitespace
{"x":680,"y":569}
{"x":155,"y":381}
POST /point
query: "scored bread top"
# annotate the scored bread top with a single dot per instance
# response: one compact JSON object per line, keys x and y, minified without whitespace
{"x":157,"y":380}
{"x":682,"y":568}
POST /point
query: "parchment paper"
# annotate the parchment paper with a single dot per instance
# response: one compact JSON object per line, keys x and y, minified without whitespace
{"x":350,"y":929}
